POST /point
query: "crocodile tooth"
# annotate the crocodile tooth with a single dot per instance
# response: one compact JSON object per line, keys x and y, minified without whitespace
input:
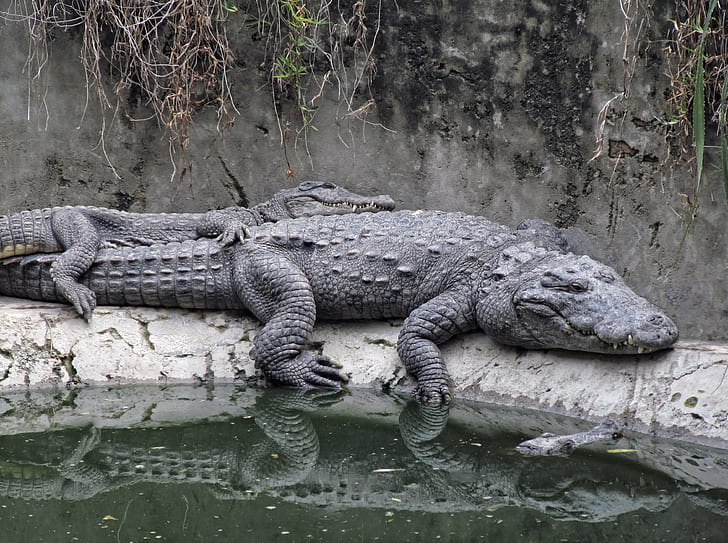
{"x":630,"y":340}
{"x":640,"y":350}
{"x":354,"y":207}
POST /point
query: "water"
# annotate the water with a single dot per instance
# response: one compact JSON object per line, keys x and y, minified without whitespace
{"x":179,"y":463}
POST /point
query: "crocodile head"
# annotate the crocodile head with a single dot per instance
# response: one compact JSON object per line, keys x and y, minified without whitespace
{"x":573,"y":302}
{"x":319,"y":198}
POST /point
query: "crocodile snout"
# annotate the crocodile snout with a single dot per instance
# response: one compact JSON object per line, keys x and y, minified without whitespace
{"x":654,"y":331}
{"x":640,"y":331}
{"x":664,"y":330}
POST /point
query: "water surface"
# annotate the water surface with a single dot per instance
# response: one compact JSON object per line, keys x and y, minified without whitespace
{"x":180,"y":463}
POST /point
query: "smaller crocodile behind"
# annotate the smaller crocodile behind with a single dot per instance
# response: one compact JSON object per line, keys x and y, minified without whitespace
{"x":555,"y":445}
{"x":80,"y":231}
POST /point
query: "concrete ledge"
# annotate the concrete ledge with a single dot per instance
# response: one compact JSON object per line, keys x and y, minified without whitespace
{"x":681,"y":393}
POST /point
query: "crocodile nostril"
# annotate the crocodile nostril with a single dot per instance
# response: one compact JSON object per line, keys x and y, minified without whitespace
{"x":656,"y":319}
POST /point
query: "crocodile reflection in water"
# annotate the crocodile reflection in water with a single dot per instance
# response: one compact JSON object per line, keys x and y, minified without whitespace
{"x":108,"y":459}
{"x":571,"y":488}
{"x":436,"y":466}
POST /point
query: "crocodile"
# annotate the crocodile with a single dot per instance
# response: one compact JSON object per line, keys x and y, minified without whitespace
{"x":548,"y":444}
{"x":79,"y":231}
{"x":445,"y":273}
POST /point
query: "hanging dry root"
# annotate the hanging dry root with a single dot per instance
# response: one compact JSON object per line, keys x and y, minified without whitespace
{"x":175,"y":53}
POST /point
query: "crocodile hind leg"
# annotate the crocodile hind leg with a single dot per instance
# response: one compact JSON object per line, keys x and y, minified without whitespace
{"x":427,"y":326}
{"x":80,"y":239}
{"x":279,"y":294}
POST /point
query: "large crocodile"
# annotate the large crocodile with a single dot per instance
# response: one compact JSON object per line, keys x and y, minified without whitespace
{"x":81,"y":230}
{"x":447,"y":273}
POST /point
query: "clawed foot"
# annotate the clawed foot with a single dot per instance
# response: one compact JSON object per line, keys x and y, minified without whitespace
{"x":433,"y":392}
{"x":82,"y":298}
{"x":308,"y":370}
{"x":300,"y":399}
{"x":233,"y":232}
{"x":324,"y":398}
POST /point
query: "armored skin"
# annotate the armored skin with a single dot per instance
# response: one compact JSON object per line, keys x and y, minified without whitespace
{"x":79,"y":231}
{"x":446,"y":273}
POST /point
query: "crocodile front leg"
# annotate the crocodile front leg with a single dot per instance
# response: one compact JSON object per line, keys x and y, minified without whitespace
{"x":81,"y":240}
{"x":228,"y":225}
{"x":426,"y":327}
{"x":279,"y":294}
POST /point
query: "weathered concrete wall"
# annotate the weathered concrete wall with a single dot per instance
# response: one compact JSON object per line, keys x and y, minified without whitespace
{"x":492,"y":108}
{"x":679,"y":393}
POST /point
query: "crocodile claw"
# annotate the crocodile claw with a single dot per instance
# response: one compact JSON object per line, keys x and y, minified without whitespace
{"x":233,"y":232}
{"x":309,"y":370}
{"x":82,"y":298}
{"x":433,"y":392}
{"x":301,"y":399}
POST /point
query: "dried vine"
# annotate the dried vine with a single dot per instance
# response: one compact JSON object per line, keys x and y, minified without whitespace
{"x":310,"y":46}
{"x":176,"y":54}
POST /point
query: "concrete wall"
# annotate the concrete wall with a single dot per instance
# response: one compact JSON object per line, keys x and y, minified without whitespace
{"x":491,"y":107}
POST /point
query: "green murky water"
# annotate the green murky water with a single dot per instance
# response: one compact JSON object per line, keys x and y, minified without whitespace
{"x":178,"y":464}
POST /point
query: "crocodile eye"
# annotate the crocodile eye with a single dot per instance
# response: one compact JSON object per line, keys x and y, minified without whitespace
{"x":310,"y":185}
{"x":579,"y":286}
{"x":606,"y":276}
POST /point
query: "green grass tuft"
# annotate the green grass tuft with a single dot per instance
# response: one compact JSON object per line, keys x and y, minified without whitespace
{"x":698,"y":117}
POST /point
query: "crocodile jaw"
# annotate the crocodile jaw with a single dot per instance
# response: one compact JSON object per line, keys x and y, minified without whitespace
{"x":552,"y":329}
{"x":307,"y":206}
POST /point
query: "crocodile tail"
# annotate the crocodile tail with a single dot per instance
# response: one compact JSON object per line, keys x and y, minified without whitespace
{"x":27,"y":232}
{"x":192,"y":274}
